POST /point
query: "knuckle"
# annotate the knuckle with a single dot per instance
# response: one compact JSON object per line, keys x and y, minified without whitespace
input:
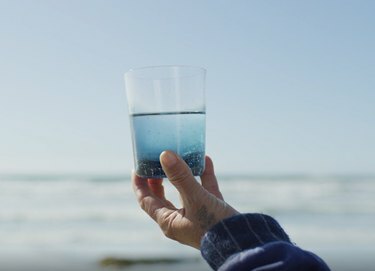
{"x":143,"y":203}
{"x":145,"y":206}
{"x":179,"y":176}
{"x":169,"y":234}
{"x":166,"y":225}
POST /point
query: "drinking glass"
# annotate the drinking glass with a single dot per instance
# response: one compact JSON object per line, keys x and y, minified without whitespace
{"x":167,"y":112}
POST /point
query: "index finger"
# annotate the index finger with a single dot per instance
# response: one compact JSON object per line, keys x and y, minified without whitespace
{"x":151,"y":204}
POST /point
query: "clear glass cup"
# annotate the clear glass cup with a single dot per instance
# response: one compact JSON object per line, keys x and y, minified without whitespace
{"x":167,"y":112}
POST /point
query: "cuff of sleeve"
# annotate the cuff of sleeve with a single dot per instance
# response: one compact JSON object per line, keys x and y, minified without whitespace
{"x":237,"y":233}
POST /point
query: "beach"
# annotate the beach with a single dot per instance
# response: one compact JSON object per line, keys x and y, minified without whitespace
{"x":75,"y":222}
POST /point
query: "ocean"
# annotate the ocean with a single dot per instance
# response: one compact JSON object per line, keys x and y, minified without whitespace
{"x":73,"y":222}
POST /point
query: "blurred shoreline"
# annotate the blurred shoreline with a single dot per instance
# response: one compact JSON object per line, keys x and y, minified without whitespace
{"x":344,"y":259}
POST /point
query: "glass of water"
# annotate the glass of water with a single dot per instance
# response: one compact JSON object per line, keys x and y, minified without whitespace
{"x":167,"y":112}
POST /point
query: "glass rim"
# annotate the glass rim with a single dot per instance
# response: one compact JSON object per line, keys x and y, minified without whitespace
{"x":133,"y":70}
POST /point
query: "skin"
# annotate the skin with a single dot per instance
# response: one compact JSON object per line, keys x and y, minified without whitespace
{"x":202,"y":203}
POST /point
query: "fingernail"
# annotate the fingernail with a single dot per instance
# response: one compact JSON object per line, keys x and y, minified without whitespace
{"x":168,"y":158}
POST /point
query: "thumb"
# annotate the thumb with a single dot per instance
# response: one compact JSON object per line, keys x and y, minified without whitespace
{"x":180,"y":175}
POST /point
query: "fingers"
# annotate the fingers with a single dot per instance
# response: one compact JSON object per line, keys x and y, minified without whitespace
{"x":157,"y":188}
{"x":209,"y":181}
{"x":150,"y":203}
{"x":179,"y":174}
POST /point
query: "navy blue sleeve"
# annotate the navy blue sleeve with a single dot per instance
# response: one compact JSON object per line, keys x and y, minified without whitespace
{"x":250,"y":241}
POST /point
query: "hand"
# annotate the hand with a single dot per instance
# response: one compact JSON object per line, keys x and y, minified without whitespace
{"x":202,"y":205}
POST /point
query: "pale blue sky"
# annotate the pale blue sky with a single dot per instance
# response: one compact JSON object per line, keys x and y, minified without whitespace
{"x":290,"y":84}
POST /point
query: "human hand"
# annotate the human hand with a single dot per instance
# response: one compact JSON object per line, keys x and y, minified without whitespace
{"x":202,"y":205}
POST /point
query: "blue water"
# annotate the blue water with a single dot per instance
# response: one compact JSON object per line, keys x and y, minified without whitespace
{"x":181,"y":132}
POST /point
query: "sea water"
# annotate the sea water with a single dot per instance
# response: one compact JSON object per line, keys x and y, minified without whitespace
{"x":58,"y":220}
{"x":181,"y":132}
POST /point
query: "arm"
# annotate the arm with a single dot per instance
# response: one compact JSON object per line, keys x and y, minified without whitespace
{"x":255,"y":242}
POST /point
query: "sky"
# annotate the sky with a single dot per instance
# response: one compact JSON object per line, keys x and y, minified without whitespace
{"x":290,"y":84}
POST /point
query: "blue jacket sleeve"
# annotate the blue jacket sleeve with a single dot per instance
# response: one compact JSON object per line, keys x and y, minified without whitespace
{"x":255,"y":242}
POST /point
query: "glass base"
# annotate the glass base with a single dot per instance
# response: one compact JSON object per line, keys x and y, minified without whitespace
{"x":152,"y":168}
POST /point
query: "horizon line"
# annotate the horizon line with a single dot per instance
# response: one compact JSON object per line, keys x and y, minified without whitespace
{"x":219,"y":174}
